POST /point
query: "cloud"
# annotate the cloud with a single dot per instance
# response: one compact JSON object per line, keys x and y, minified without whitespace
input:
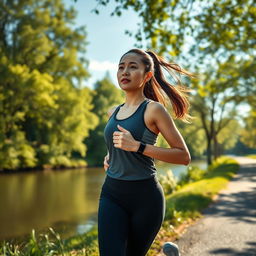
{"x":102,"y":65}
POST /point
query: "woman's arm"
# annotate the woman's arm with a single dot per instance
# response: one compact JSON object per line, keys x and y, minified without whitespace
{"x":106,"y":158}
{"x":178,"y":153}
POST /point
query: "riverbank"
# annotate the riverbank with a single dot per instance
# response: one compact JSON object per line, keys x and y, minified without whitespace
{"x":79,"y":164}
{"x":183,"y":207}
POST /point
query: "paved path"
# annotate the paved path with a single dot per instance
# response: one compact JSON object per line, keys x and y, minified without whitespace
{"x":229,"y":225}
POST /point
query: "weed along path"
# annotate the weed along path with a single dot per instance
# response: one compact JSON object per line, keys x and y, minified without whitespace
{"x":228,"y":227}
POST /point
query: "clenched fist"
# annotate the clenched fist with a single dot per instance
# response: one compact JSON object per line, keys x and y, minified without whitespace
{"x":123,"y":139}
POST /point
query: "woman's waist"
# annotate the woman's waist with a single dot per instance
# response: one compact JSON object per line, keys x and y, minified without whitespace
{"x":130,"y":186}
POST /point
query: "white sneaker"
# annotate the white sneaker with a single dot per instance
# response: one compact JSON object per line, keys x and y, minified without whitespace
{"x":171,"y":249}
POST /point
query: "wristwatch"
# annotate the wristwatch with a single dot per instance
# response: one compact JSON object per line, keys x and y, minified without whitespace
{"x":141,"y":147}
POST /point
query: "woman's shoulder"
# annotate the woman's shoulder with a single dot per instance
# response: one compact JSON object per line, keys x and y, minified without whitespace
{"x":111,"y":110}
{"x":155,"y":107}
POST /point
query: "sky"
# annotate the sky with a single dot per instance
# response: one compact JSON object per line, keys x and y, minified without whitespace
{"x":105,"y":35}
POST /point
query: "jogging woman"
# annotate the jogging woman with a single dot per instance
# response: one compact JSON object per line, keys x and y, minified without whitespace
{"x":132,"y":203}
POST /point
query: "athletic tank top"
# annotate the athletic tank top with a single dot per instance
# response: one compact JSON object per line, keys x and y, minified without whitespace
{"x":128,"y":165}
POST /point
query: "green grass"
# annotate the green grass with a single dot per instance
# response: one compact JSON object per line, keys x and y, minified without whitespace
{"x":183,"y":204}
{"x":51,"y":244}
{"x":191,"y":198}
{"x":251,"y":156}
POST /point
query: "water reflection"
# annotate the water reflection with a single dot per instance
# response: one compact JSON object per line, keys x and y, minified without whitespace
{"x":65,"y":200}
{"x":42,"y":199}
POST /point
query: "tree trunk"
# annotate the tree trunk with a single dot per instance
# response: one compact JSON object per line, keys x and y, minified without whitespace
{"x":215,"y":147}
{"x":209,"y":152}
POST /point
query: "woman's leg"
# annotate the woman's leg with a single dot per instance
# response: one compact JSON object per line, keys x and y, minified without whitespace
{"x":146,"y":221}
{"x":112,"y":228}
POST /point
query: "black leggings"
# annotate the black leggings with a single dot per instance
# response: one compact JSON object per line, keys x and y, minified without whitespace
{"x":130,"y":215}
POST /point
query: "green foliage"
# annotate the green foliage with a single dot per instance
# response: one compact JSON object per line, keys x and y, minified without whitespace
{"x":214,"y":26}
{"x":17,"y":153}
{"x":51,"y":244}
{"x":168,"y":182}
{"x":192,"y":197}
{"x":194,"y":136}
{"x":36,"y":246}
{"x":214,"y":39}
{"x":84,"y":244}
{"x":193,"y":174}
{"x":105,"y":96}
{"x":44,"y":112}
{"x":218,"y":164}
{"x":248,"y":134}
{"x":251,"y":156}
{"x":230,"y":134}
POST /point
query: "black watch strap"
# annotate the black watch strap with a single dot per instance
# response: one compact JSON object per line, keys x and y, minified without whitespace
{"x":141,"y":147}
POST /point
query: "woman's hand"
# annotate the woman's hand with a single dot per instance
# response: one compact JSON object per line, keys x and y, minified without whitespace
{"x":124,"y":140}
{"x":106,"y":164}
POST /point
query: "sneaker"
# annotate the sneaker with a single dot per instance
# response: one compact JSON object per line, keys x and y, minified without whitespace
{"x":171,"y":249}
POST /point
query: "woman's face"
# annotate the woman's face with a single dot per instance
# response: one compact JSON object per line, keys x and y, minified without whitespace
{"x":131,"y":72}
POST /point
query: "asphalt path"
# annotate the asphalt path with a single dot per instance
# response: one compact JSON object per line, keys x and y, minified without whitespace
{"x":228,"y":227}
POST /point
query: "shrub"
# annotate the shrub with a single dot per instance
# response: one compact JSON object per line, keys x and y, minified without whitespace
{"x":168,"y":182}
{"x":193,"y":173}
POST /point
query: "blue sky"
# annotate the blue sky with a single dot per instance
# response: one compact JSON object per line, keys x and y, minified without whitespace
{"x":105,"y":35}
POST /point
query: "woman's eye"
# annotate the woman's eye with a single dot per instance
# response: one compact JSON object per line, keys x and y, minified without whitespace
{"x":133,"y":67}
{"x":120,"y":67}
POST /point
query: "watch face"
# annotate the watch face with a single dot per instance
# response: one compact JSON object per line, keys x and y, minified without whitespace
{"x":141,"y":147}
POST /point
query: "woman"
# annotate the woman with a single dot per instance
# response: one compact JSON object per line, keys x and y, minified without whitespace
{"x":132,"y":203}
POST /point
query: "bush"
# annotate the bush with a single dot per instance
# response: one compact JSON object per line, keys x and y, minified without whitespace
{"x":193,"y":173}
{"x":168,"y":182}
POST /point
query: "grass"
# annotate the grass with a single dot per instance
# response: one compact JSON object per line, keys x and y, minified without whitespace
{"x":51,"y":244}
{"x":182,"y":206}
{"x":197,"y":195}
{"x":251,"y":156}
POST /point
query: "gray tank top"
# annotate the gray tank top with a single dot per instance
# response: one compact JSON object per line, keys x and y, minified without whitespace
{"x":127,"y":165}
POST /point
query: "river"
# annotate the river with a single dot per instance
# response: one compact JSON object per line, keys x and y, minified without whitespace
{"x":65,"y":200}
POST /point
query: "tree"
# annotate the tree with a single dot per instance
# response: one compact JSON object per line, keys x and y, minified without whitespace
{"x":45,"y":113}
{"x":216,"y":39}
{"x":106,"y":95}
{"x":248,"y":134}
{"x":215,"y":113}
{"x":167,"y":24}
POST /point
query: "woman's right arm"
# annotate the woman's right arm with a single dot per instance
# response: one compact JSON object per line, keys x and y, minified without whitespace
{"x":106,"y":158}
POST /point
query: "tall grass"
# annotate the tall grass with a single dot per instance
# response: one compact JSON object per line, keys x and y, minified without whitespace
{"x":51,"y":244}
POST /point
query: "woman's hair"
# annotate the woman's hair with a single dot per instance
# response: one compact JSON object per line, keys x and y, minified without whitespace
{"x":156,"y":87}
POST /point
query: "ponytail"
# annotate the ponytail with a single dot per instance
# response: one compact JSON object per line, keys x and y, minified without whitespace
{"x":157,"y":88}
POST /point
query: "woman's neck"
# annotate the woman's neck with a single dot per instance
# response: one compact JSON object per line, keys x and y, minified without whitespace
{"x":132,"y":103}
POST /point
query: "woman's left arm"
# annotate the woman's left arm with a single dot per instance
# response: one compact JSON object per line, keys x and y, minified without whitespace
{"x":178,"y":153}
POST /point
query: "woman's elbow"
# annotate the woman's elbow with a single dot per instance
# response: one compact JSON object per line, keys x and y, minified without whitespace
{"x":187,"y":159}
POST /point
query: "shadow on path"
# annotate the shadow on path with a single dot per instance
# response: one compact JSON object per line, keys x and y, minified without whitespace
{"x":228,"y":227}
{"x":241,"y":206}
{"x":231,"y":252}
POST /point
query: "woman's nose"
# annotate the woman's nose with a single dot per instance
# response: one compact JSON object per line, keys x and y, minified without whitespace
{"x":125,"y":72}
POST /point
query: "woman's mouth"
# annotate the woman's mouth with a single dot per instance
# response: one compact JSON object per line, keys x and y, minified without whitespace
{"x":125,"y":81}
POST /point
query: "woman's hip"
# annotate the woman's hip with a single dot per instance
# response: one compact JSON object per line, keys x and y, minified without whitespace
{"x":133,"y":195}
